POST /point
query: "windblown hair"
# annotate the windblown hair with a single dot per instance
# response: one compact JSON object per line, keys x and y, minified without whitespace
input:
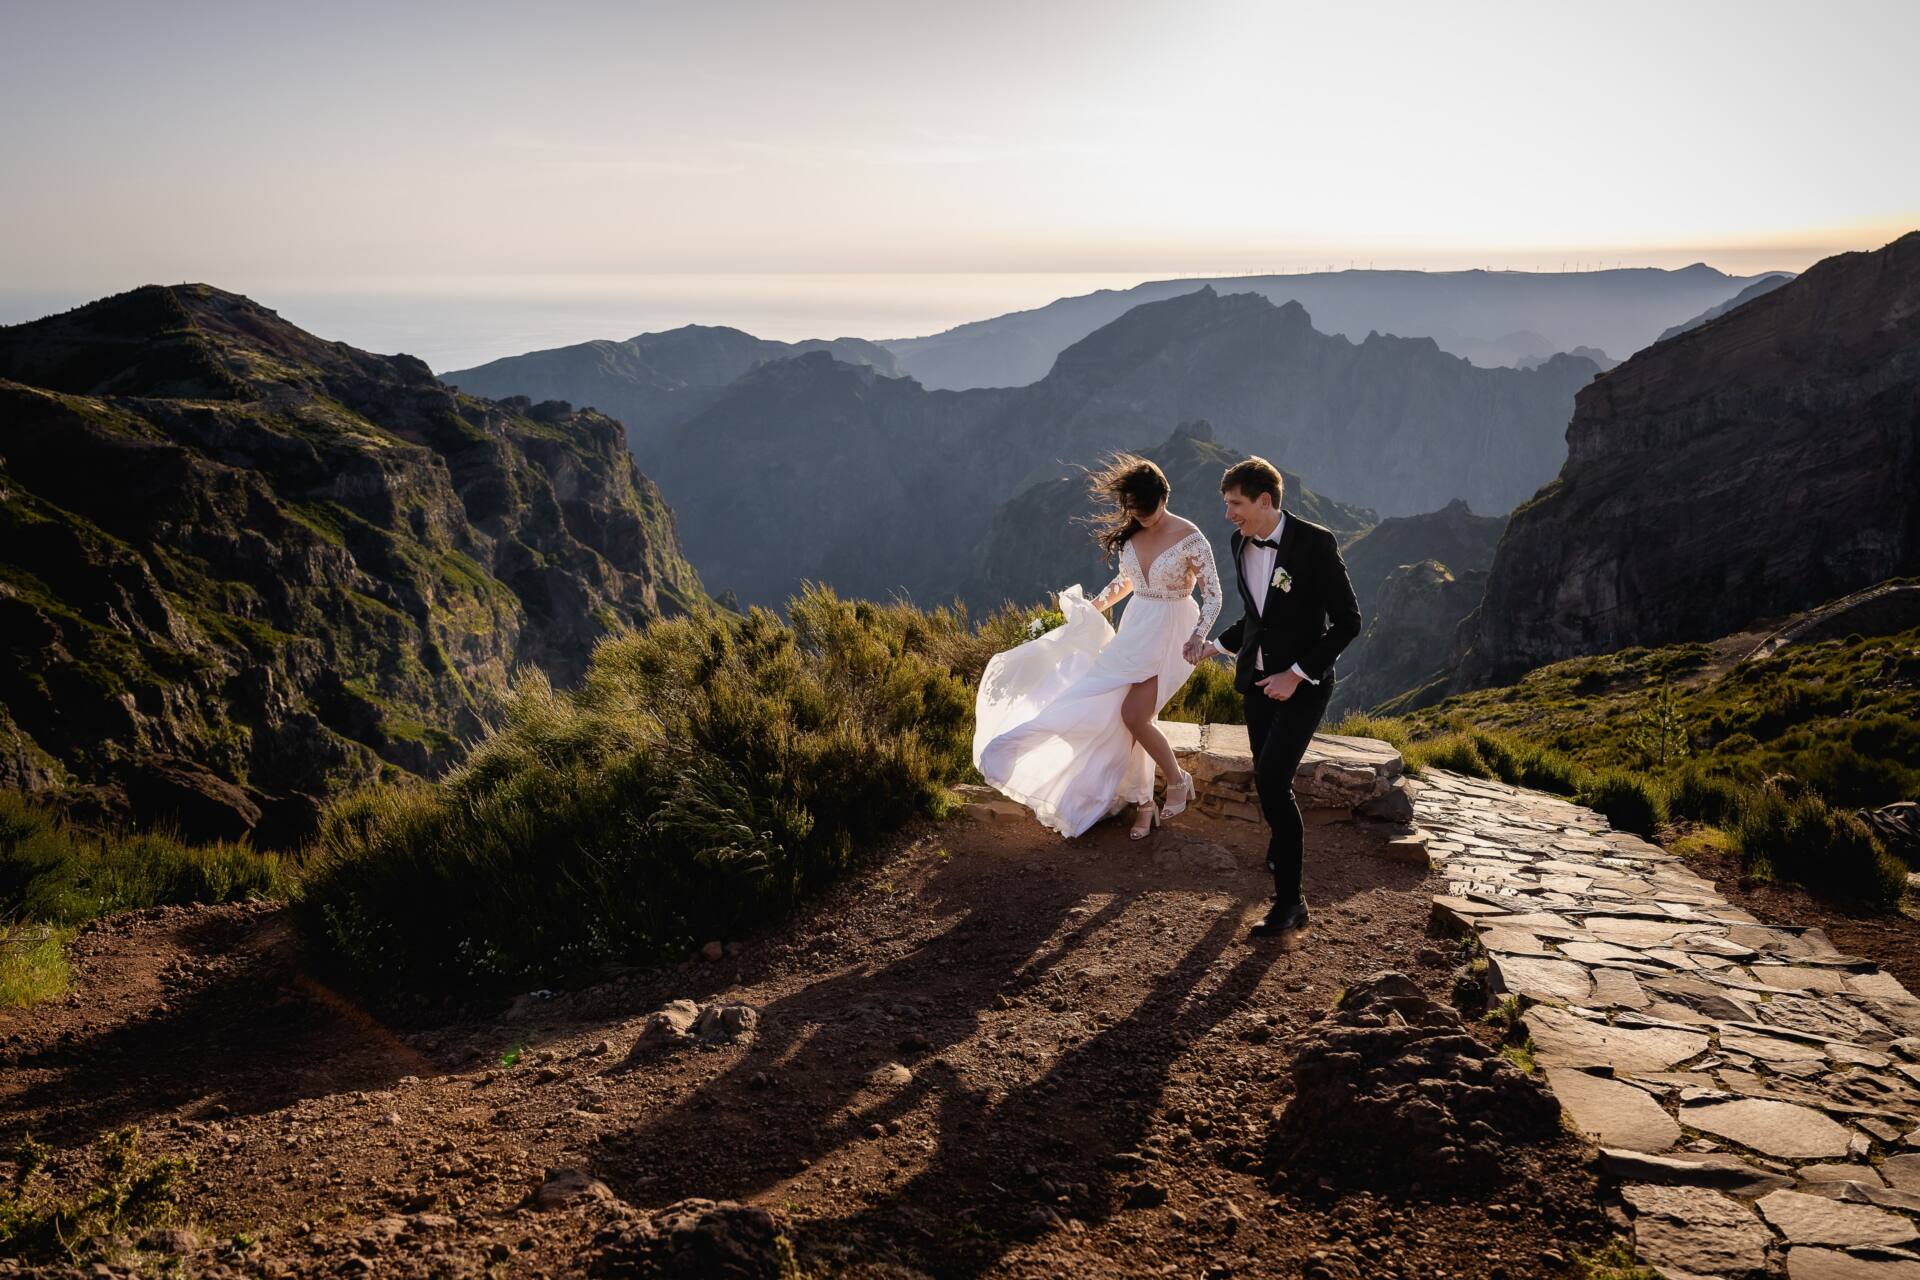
{"x":1132,"y":486}
{"x":1253,"y":477}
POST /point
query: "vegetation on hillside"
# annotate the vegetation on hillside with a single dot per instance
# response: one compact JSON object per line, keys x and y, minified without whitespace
{"x":54,"y":877}
{"x":1771,"y":757}
{"x":710,"y":772}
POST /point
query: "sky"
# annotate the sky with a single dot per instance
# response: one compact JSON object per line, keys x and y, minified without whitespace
{"x":379,"y":146}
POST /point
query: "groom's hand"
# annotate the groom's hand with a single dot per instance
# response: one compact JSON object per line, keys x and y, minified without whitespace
{"x":1196,"y":648}
{"x":1280,"y":685}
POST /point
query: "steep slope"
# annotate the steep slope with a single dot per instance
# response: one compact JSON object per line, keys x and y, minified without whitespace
{"x":1453,"y":535}
{"x":810,"y":468}
{"x":1036,"y":545}
{"x":1411,"y":623}
{"x":1417,"y":578}
{"x":653,"y":381}
{"x":1489,"y":317}
{"x":1764,"y":285}
{"x":241,"y":566}
{"x":1762,"y":462}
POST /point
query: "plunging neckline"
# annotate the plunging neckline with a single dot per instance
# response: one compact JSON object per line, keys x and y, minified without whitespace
{"x":1146,"y":574}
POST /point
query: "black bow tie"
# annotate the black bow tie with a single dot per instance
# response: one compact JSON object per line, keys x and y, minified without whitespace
{"x":1264,"y":542}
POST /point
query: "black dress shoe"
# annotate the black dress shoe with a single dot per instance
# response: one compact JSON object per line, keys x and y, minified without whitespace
{"x":1280,"y":921}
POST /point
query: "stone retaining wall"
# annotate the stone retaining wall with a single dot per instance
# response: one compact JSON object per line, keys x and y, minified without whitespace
{"x":1339,"y":778}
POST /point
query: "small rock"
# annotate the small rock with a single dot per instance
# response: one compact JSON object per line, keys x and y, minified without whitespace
{"x":726,"y":1023}
{"x":171,"y":1240}
{"x":567,"y":1186}
{"x":712,"y":951}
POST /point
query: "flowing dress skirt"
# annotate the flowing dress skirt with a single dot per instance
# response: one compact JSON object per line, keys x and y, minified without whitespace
{"x":1047,"y":728}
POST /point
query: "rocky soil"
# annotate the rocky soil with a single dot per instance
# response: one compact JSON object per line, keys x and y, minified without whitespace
{"x":995,"y":1054}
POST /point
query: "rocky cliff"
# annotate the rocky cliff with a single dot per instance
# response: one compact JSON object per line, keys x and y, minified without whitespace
{"x":812,"y":468}
{"x":1761,"y":462}
{"x":1035,"y":544}
{"x":1453,"y":535}
{"x":241,"y":566}
{"x":1409,"y":639}
{"x":1416,"y":578}
{"x":1764,"y":285}
{"x":653,"y":381}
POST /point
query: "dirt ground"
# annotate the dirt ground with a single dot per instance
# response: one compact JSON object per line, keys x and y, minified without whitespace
{"x":995,"y":1054}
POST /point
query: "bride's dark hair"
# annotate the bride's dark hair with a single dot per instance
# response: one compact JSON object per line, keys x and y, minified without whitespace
{"x":1132,"y":485}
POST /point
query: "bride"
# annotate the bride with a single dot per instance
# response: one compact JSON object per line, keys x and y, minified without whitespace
{"x":1065,"y":722}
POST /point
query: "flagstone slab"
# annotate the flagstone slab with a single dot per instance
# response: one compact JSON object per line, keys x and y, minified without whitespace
{"x":1562,"y":1039}
{"x":1805,"y":1219}
{"x":1903,"y":1170}
{"x":1617,"y":989}
{"x":1612,"y":1113}
{"x":1883,"y":986}
{"x":1794,"y":977}
{"x":1513,"y":941}
{"x":1537,"y":978}
{"x":1629,"y":931}
{"x":1782,"y":1129}
{"x":1598,"y":952}
{"x":1770,"y":1048}
{"x":1808,"y":1262}
{"x":1836,"y":1173}
{"x":1696,"y":1231}
{"x":1702,"y":995}
{"x":1720,"y":1170}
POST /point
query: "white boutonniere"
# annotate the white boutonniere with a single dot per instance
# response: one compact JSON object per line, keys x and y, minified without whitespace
{"x":1282,"y":579}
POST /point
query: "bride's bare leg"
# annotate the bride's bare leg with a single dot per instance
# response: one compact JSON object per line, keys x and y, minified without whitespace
{"x":1136,"y":712}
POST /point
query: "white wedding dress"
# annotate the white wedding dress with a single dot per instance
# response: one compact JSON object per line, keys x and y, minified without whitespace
{"x":1047,"y":728}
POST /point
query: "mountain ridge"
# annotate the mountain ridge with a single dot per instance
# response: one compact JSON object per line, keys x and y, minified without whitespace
{"x":1480,"y":315}
{"x":243,"y":567}
{"x":1393,"y":424}
{"x":1762,"y":461}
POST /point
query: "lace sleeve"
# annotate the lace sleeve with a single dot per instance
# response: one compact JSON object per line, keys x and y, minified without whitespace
{"x":1201,"y":558}
{"x":1122,"y":583}
{"x":1114,"y":590}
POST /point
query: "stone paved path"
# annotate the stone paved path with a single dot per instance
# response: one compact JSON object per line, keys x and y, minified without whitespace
{"x":1755,"y":1092}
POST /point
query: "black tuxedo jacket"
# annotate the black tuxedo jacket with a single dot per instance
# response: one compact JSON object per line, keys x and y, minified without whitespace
{"x":1310,"y":623}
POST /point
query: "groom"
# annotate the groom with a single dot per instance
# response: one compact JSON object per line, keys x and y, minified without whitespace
{"x":1299,"y":613}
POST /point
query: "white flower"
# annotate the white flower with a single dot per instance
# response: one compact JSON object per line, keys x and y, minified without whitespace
{"x":1282,"y":579}
{"x":1037,"y":626}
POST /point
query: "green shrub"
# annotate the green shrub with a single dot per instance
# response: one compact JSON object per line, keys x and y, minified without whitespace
{"x":1705,"y":797}
{"x":710,"y":771}
{"x":1800,"y":838}
{"x":1630,"y":802}
{"x":125,"y":1193}
{"x":1388,"y":729}
{"x":54,"y":873}
{"x":33,"y":964}
{"x":1456,"y":752}
{"x":1208,"y":697}
{"x":1545,"y":769}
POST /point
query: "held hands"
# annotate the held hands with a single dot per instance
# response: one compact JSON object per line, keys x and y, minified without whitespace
{"x":1280,"y":685}
{"x":1196,"y":648}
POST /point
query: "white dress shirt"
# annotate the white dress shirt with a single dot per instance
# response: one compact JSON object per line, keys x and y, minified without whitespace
{"x":1259,"y":570}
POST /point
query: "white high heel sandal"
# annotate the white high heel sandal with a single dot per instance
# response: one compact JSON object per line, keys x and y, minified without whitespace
{"x":1186,"y":796}
{"x":1140,"y":831}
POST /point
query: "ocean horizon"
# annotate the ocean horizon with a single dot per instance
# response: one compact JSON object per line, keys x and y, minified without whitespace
{"x":458,"y":324}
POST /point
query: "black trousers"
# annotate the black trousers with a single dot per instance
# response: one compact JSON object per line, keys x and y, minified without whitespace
{"x":1279,"y":732}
